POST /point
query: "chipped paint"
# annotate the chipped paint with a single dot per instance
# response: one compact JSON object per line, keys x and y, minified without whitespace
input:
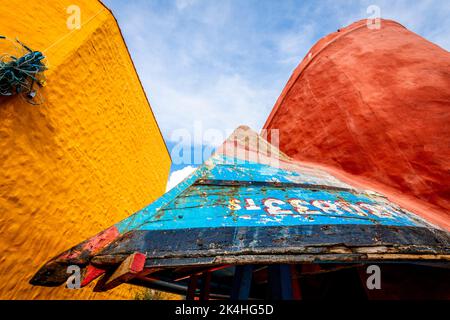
{"x":264,"y":211}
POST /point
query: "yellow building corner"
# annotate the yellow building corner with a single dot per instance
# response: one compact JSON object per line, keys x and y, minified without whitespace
{"x":89,"y":156}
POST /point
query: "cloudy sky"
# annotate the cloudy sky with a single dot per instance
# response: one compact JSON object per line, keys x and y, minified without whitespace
{"x":216,"y":64}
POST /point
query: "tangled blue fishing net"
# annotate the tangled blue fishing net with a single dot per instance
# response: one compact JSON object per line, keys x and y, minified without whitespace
{"x":22,"y":74}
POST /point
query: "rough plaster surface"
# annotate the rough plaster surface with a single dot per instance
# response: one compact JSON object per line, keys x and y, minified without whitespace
{"x":373,"y":105}
{"x":91,"y":155}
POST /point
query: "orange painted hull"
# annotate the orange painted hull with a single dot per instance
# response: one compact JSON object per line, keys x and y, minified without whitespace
{"x":372,"y":107}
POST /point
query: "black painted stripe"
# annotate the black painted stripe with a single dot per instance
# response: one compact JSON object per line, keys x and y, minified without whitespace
{"x":199,"y":243}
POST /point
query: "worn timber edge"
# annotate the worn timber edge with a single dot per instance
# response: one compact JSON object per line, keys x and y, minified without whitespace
{"x":319,"y":243}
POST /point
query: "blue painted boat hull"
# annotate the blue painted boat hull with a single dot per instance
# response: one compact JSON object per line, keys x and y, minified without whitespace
{"x":253,"y":209}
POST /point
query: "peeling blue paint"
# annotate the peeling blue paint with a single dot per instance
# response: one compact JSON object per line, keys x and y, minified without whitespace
{"x":223,"y":193}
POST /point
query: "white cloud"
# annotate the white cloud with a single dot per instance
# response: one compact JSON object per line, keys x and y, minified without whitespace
{"x":224,"y":103}
{"x":294,"y":45}
{"x":182,"y":4}
{"x":427,"y":18}
{"x":179,"y":175}
{"x":224,"y":63}
{"x":195,"y":66}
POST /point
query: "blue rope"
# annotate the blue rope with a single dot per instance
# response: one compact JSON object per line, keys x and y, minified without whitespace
{"x":18,"y":75}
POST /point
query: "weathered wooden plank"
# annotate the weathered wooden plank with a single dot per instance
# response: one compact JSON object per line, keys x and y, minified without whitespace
{"x":347,"y":240}
{"x":131,"y":267}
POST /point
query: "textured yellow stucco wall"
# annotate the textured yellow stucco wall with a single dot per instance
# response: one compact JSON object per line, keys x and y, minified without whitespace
{"x":88,"y":157}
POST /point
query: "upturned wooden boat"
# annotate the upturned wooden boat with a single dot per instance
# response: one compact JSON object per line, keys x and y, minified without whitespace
{"x":253,"y":223}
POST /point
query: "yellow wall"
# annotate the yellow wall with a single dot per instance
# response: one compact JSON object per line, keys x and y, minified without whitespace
{"x":91,"y":155}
